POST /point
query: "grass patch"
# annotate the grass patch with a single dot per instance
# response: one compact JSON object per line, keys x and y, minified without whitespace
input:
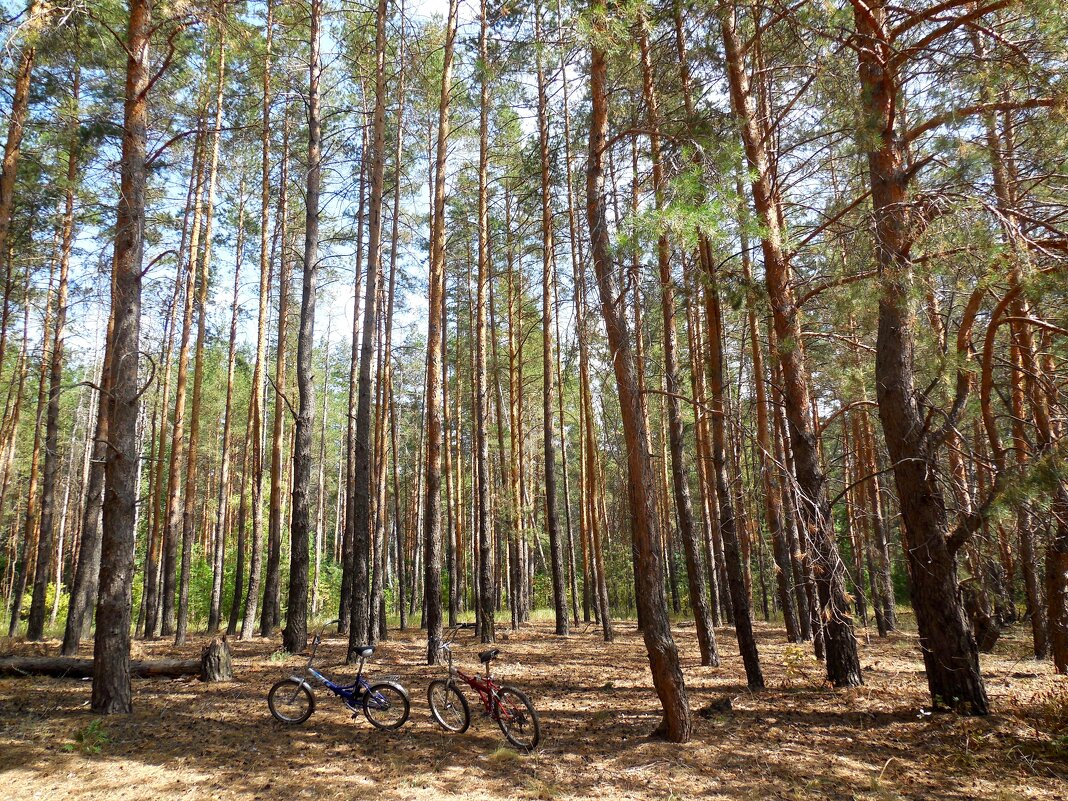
{"x":541,"y":789}
{"x":504,"y":755}
{"x":90,"y":739}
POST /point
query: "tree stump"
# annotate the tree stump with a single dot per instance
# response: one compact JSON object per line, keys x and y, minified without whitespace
{"x":216,"y":661}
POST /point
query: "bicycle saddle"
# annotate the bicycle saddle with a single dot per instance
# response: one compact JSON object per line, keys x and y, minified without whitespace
{"x":486,"y":656}
{"x":364,"y":651}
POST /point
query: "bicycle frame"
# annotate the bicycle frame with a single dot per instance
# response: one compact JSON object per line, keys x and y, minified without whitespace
{"x":488,"y":690}
{"x":353,"y":695}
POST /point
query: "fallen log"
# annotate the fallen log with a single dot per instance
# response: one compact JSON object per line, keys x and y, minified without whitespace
{"x":64,"y":667}
{"x":214,"y":665}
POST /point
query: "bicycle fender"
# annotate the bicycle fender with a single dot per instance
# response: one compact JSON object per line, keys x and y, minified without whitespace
{"x":396,"y":685}
{"x":303,"y":682}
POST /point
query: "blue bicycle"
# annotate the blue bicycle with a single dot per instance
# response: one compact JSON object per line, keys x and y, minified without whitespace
{"x":385,"y":703}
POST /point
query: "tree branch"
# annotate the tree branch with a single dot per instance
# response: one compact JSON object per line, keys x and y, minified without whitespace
{"x":978,"y":108}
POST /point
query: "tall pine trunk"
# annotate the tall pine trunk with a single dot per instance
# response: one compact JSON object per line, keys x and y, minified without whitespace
{"x":270,"y":613}
{"x":222,"y":511}
{"x":190,"y":508}
{"x":552,"y":514}
{"x":432,"y":507}
{"x":173,"y":516}
{"x":111,"y":651}
{"x":256,"y":401}
{"x":82,"y":603}
{"x":295,"y":634}
{"x":362,"y":487}
{"x":843,"y":663}
{"x":42,"y":573}
{"x":706,"y":634}
{"x":949,"y":649}
{"x":485,"y":534}
{"x":36,"y":14}
{"x":641,"y":485}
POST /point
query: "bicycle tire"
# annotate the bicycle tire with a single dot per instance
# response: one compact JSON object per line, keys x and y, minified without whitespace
{"x":292,"y":709}
{"x":448,"y":706}
{"x":396,"y":702}
{"x":517,"y":718}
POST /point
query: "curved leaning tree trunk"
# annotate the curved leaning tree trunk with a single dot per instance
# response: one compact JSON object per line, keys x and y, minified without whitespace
{"x":728,"y":521}
{"x":843,"y":663}
{"x":706,"y":634}
{"x":641,"y":484}
{"x":949,"y":649}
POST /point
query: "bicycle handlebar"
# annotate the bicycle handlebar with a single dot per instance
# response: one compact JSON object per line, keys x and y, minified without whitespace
{"x":322,"y":628}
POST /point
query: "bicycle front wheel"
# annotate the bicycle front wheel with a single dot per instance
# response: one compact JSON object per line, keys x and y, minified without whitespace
{"x":448,"y":706}
{"x":290,"y":701}
{"x":517,"y":718}
{"x":386,"y":705}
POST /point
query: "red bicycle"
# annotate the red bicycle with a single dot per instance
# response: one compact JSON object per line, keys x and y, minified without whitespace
{"x":507,"y":705}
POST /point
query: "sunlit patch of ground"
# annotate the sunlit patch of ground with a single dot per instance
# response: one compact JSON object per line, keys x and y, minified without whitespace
{"x":798,"y":739}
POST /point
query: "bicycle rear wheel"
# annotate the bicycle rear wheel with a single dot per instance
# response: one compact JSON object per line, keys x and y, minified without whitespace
{"x":517,"y":718}
{"x":386,"y":705}
{"x":290,"y":701}
{"x":448,"y":706}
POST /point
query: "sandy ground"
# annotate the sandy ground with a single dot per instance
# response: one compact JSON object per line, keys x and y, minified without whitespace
{"x":798,"y":739}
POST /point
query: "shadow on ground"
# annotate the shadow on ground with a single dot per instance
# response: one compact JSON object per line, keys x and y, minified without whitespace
{"x":797,"y":739}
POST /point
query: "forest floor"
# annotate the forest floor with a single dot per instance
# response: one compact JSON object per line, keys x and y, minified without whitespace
{"x":797,"y":739}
